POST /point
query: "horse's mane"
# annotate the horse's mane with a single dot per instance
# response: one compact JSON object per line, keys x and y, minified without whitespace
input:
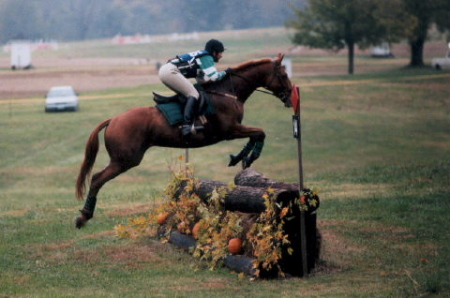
{"x":240,"y":68}
{"x":243,"y":66}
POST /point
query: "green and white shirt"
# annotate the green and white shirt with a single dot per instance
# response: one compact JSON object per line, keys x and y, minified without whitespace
{"x":208,"y":70}
{"x":199,"y":65}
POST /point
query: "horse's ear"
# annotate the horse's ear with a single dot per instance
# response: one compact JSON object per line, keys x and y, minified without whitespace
{"x":280,"y":57}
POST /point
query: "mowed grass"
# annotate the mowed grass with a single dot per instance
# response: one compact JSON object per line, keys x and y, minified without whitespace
{"x":376,"y":145}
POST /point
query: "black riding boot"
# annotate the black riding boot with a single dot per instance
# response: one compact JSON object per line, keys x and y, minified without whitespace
{"x":188,"y":120}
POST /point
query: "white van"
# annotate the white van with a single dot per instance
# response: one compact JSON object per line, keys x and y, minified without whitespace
{"x":21,"y":55}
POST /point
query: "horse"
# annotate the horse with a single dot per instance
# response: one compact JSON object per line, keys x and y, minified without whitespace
{"x":127,"y":136}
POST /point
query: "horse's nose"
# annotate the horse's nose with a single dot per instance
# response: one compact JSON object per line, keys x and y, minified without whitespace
{"x":288,"y":102}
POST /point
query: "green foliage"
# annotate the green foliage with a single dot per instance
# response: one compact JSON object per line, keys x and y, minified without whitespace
{"x":267,"y":237}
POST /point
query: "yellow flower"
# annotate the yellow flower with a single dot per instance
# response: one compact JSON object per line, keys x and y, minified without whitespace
{"x":284,"y":211}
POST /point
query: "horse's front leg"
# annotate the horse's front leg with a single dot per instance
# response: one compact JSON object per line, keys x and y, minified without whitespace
{"x":256,"y":152}
{"x":234,"y":159}
{"x":252,"y":150}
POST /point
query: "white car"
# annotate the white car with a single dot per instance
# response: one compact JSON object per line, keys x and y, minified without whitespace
{"x":441,"y":63}
{"x":382,"y":50}
{"x":61,"y":98}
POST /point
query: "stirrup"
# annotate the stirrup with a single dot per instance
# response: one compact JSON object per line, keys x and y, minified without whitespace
{"x":188,"y":129}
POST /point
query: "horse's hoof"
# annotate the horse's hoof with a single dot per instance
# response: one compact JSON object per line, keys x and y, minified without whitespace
{"x":247,"y":162}
{"x":233,"y":160}
{"x":244,"y":164}
{"x":80,"y":222}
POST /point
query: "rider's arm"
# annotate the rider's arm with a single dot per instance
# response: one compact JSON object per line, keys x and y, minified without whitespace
{"x":209,"y":71}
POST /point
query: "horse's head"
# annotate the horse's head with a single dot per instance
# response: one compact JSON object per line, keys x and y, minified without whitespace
{"x":267,"y":73}
{"x":278,"y":82}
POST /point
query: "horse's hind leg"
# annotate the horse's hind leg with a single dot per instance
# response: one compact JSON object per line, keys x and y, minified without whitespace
{"x":98,"y":180}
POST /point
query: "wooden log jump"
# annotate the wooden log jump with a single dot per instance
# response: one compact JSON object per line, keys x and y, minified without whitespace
{"x":247,"y":197}
{"x":250,"y":177}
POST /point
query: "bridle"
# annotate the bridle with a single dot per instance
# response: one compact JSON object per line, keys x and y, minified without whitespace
{"x":277,"y":74}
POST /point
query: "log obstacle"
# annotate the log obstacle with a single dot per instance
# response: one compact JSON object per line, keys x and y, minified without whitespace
{"x":291,"y":263}
{"x":242,"y":198}
{"x":247,"y":199}
{"x":250,"y":177}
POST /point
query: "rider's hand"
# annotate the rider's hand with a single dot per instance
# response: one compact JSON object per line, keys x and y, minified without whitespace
{"x":229,"y":70}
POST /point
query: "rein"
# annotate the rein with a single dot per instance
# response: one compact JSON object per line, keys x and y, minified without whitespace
{"x":265,"y":91}
{"x":225,"y":94}
{"x":252,"y":83}
{"x":233,"y":93}
{"x":276,"y":74}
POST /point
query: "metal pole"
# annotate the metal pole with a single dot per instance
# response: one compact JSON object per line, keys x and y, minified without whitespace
{"x":298,"y":136}
{"x":302,"y":212}
{"x":186,"y":159}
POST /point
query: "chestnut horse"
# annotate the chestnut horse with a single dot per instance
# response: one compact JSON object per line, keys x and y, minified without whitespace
{"x":128,"y":135}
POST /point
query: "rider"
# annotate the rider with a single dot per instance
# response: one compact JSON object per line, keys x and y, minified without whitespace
{"x":199,"y":65}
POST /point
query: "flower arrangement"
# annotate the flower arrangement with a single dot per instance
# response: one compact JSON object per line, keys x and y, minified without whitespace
{"x":309,"y":200}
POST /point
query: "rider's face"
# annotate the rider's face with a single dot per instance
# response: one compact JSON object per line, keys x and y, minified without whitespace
{"x":217,"y":56}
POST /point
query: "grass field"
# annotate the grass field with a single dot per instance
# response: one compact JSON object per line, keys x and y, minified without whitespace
{"x":375,"y":144}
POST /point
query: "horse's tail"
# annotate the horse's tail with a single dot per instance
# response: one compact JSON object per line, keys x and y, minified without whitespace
{"x":90,"y":154}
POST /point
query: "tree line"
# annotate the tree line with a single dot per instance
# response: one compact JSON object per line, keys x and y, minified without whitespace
{"x":92,"y":19}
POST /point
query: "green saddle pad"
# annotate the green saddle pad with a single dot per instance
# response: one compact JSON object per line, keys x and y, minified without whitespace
{"x":173,"y":111}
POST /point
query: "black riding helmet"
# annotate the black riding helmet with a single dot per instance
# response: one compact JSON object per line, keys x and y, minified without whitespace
{"x":213,"y":45}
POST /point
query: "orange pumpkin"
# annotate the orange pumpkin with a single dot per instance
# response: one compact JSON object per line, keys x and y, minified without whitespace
{"x":235,"y":246}
{"x":195,"y":230}
{"x":162,"y":218}
{"x":303,"y":199}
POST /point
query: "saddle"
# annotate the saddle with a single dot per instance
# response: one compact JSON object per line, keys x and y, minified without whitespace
{"x":172,"y":107}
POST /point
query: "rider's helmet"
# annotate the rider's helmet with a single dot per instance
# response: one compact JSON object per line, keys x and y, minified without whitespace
{"x":213,"y":45}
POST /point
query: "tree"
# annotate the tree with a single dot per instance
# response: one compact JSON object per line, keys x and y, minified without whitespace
{"x":334,"y":24}
{"x":412,"y":19}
